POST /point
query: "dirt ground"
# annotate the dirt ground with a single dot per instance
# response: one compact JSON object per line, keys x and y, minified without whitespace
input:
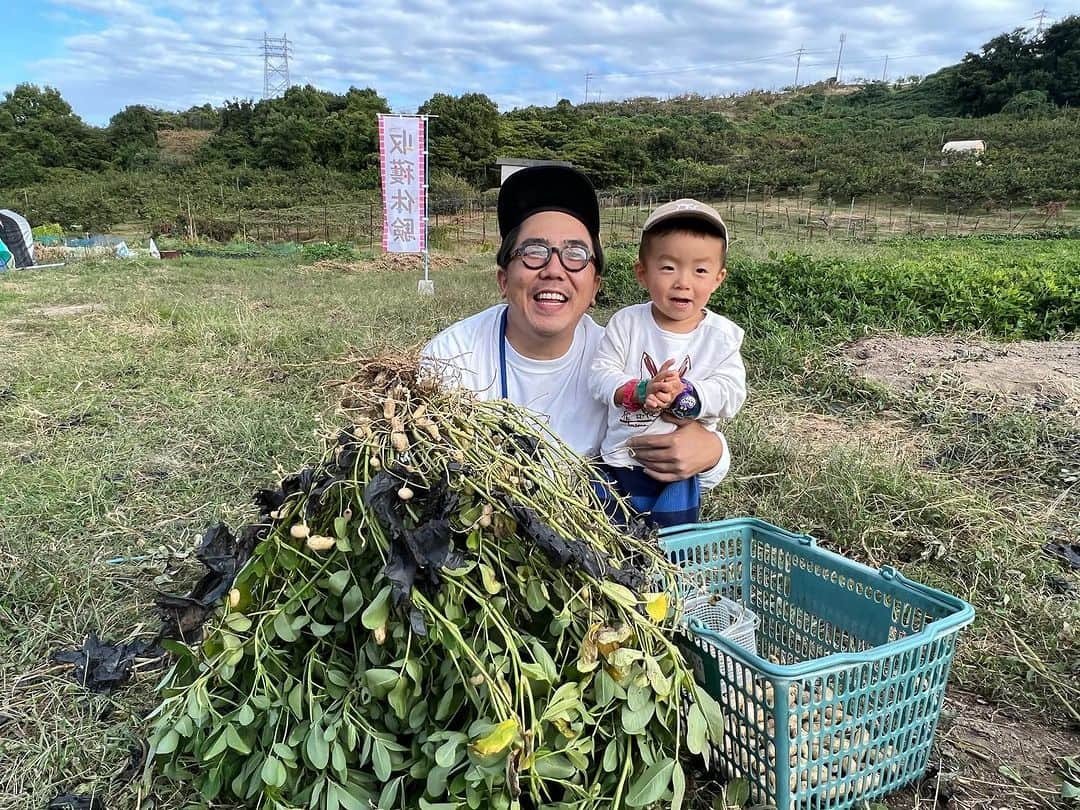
{"x":389,"y":261}
{"x":1029,"y":374}
{"x":984,"y":759}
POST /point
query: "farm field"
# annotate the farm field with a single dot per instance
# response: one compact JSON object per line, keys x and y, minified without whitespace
{"x":913,"y":403}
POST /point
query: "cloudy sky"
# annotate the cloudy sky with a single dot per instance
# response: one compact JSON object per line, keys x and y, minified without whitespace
{"x":105,"y":54}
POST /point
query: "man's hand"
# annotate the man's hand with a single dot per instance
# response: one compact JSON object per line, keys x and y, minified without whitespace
{"x":688,"y":450}
{"x":662,"y":389}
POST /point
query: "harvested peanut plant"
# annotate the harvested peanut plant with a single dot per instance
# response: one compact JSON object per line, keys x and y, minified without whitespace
{"x":438,"y":615}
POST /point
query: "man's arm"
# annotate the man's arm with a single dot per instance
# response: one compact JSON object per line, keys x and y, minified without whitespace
{"x":690,"y":449}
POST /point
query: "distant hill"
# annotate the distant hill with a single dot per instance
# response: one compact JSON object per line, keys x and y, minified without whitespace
{"x":1020,"y":93}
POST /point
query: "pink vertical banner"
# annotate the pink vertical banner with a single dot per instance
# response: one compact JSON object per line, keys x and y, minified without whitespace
{"x":401,"y":169}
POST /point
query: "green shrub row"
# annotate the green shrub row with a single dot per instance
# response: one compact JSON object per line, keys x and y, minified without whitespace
{"x":1008,"y":293}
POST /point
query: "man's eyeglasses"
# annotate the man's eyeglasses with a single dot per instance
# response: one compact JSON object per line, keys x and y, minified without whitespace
{"x":536,"y":256}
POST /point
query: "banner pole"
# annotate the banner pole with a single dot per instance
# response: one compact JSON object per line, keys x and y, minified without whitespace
{"x":426,"y":286}
{"x":427,"y":200}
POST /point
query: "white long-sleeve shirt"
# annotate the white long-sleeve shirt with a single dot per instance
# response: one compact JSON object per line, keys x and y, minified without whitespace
{"x":466,"y":355}
{"x":634,"y":347}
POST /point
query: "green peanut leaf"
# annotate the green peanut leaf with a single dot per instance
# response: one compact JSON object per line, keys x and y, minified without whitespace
{"x":352,"y":602}
{"x":168,"y":743}
{"x":246,"y":715}
{"x":283,"y":628}
{"x":637,"y":696}
{"x":273,"y":772}
{"x":238,"y":622}
{"x":338,"y":581}
{"x":436,"y":781}
{"x":544,"y":659}
{"x":317,"y":749}
{"x":619,"y":594}
{"x":696,"y":731}
{"x":446,"y":755}
{"x":376,"y":614}
{"x":341,"y":528}
{"x":399,"y":698}
{"x":235,"y":741}
{"x":652,"y":784}
{"x":553,"y":766}
{"x":611,"y":757}
{"x":390,"y":792}
{"x":380,"y":761}
{"x":296,"y":700}
{"x":678,"y":787}
{"x":217,"y":747}
{"x":635,"y":722}
{"x":714,"y":716}
{"x":606,"y":689}
{"x":380,"y":681}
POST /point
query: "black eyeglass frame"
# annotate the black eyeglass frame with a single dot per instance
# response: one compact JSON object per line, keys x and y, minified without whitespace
{"x":519,"y":253}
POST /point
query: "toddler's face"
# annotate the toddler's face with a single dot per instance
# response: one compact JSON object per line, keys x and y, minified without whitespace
{"x":681,"y":271}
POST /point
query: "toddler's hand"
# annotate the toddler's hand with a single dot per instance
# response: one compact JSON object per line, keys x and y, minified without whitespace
{"x":663,"y":388}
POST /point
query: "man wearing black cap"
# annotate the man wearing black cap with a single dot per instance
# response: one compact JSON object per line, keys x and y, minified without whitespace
{"x":537,"y":348}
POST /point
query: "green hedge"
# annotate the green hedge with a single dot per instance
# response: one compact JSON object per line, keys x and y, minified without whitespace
{"x":1012,"y":292}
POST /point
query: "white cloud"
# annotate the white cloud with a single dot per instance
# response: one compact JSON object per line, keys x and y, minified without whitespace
{"x":175,"y":53}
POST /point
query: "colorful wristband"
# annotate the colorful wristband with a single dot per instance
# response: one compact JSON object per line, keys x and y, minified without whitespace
{"x":641,"y":392}
{"x":628,"y":401}
{"x":686,"y":404}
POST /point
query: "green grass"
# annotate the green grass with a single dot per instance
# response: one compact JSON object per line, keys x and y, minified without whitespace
{"x":129,"y":429}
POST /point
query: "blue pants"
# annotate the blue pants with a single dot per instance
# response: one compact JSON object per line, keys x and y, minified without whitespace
{"x":658,"y":502}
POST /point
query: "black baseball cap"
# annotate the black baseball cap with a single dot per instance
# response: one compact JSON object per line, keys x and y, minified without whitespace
{"x":534,"y":189}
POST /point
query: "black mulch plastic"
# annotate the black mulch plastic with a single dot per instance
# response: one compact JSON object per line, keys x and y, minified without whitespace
{"x":417,"y":554}
{"x":101,"y":666}
{"x":223,"y":555}
{"x":1068,"y":553}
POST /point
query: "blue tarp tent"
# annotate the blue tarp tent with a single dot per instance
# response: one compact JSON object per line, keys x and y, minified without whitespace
{"x":15,"y":234}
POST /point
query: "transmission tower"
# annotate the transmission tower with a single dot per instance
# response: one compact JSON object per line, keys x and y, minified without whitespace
{"x":839,"y":56}
{"x":1041,"y":14}
{"x":275,"y":65}
{"x":798,"y":62}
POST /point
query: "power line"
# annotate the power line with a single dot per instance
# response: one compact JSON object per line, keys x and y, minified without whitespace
{"x":692,"y":68}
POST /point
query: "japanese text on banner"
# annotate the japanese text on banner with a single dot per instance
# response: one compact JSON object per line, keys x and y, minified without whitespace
{"x":401,"y":165}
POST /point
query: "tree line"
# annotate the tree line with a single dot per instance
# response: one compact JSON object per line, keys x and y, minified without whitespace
{"x":1019,"y":93}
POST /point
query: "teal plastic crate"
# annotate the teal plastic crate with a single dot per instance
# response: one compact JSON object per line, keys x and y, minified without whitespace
{"x":841,"y":702}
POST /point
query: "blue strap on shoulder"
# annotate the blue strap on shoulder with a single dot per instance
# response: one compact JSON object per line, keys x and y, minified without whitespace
{"x":502,"y":353}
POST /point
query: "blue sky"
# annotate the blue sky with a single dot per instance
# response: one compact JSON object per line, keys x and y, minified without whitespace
{"x":105,"y":54}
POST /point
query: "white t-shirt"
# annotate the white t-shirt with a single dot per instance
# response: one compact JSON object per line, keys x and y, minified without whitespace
{"x":467,"y":356}
{"x":635,"y":347}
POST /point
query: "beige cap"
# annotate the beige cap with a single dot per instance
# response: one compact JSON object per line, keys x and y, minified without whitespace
{"x":685,"y":208}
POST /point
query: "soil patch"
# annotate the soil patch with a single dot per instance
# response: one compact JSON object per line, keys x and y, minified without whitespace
{"x":889,"y":433}
{"x":389,"y":261}
{"x":1027,"y":373}
{"x":989,"y":759}
{"x":68,"y":311}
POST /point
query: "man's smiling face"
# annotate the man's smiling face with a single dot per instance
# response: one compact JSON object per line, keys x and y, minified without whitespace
{"x":546,"y":305}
